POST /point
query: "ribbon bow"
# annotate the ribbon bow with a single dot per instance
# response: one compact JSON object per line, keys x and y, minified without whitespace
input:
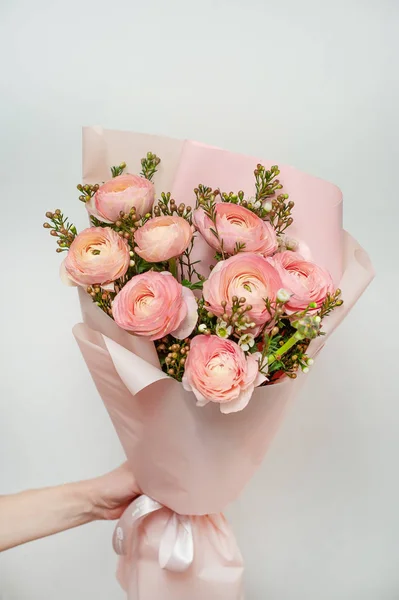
{"x":176,"y":549}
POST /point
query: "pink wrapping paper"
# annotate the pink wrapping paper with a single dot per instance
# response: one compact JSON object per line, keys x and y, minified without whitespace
{"x":195,"y":461}
{"x":215,"y":574}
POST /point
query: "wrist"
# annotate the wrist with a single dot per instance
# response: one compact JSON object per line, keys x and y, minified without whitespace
{"x":85,"y":498}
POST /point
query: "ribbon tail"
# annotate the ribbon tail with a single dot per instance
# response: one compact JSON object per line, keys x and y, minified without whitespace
{"x":176,"y":550}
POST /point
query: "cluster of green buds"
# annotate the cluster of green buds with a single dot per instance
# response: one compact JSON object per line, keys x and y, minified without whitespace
{"x":256,"y":206}
{"x":149,"y":165}
{"x":118,"y":169}
{"x":234,"y":319}
{"x":266,"y":182}
{"x":87,"y":191}
{"x":173,"y":354}
{"x":167,"y":206}
{"x":103,"y":298}
{"x":331,"y":302}
{"x":294,"y":348}
{"x":297,"y":361}
{"x":279,"y":212}
{"x":205,"y":195}
{"x":60,"y":228}
{"x":126,"y":225}
{"x":308,"y":327}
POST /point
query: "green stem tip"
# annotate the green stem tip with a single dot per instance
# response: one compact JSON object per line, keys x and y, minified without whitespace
{"x":294,"y":339}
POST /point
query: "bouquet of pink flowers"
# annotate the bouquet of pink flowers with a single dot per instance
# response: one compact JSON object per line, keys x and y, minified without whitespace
{"x":199,"y":303}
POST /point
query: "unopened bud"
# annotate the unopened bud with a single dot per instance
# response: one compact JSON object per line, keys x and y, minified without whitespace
{"x":283,"y":295}
{"x":268,"y":206}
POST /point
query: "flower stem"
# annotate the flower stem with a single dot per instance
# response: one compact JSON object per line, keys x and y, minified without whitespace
{"x":294,"y":339}
{"x":173,"y":267}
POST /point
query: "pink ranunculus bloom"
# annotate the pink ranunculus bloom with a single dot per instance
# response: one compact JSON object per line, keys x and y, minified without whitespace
{"x":121,"y":194}
{"x":236,"y":225}
{"x":306,"y":281}
{"x":217,"y":370}
{"x":155,"y":304}
{"x":162,"y":238}
{"x":244,"y":275}
{"x":96,"y":256}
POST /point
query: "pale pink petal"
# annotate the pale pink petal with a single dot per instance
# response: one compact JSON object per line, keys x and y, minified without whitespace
{"x":186,"y":384}
{"x":252,"y":370}
{"x":108,"y":287}
{"x":66,"y":280}
{"x":92,"y":210}
{"x":201,"y":401}
{"x":260,"y":378}
{"x":186,"y":327}
{"x":240,"y":403}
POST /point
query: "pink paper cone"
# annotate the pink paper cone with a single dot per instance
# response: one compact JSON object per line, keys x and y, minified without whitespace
{"x":195,"y":461}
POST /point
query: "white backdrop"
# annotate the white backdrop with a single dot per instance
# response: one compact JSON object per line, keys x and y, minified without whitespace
{"x":313,"y":84}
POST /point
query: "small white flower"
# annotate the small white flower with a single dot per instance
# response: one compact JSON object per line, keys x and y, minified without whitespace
{"x":131,"y":253}
{"x":257,"y":204}
{"x":305,"y":369}
{"x":310,"y":362}
{"x":202,"y":327}
{"x":283,"y":295}
{"x":291,"y":244}
{"x":268,"y":206}
{"x":246,"y":341}
{"x":317,"y":319}
{"x":132,"y":263}
{"x":223,"y":330}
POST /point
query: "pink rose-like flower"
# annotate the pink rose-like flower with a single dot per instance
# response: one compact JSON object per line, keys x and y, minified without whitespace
{"x":121,"y":194}
{"x":96,"y":256}
{"x":155,"y":304}
{"x":306,"y":281}
{"x":162,"y":238}
{"x":244,"y":275}
{"x":217,"y":370}
{"x":236,"y":225}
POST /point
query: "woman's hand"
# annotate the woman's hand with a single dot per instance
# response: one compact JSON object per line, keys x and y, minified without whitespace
{"x":111,"y":494}
{"x":35,"y":514}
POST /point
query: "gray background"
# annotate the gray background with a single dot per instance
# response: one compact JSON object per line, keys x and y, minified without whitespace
{"x":313,"y":84}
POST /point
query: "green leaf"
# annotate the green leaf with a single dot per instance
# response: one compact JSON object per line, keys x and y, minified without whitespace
{"x":198,"y":285}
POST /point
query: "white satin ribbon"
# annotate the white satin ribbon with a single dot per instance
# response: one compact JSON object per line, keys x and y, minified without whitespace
{"x":176,"y":549}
